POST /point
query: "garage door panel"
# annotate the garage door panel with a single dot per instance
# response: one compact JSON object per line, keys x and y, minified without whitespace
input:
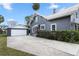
{"x":15,"y":32}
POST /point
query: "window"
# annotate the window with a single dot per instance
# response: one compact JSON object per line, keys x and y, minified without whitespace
{"x":76,"y":26}
{"x":53,"y":27}
{"x":77,"y":15}
{"x":42,"y":27}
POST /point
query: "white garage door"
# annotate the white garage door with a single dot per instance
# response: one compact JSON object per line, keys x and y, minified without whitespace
{"x":18,"y":32}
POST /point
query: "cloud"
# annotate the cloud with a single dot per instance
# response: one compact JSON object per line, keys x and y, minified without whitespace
{"x":53,"y":5}
{"x":6,"y":6}
{"x":62,"y":9}
{"x":10,"y":19}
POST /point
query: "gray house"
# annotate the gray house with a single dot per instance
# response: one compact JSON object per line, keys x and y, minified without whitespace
{"x":67,"y":19}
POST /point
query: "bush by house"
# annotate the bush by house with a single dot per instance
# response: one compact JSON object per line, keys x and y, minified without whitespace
{"x":66,"y":36}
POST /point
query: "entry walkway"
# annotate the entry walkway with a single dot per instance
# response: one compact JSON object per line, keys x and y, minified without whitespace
{"x":34,"y":45}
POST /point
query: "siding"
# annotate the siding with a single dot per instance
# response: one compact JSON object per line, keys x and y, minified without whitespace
{"x":63,"y":23}
{"x":72,"y":26}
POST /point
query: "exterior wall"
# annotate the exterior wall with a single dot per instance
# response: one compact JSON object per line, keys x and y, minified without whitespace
{"x":75,"y":17}
{"x":63,"y":23}
{"x":72,"y":27}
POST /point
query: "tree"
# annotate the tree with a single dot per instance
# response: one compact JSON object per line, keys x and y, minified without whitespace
{"x":27,"y":18}
{"x":1,"y":19}
{"x":36,"y":6}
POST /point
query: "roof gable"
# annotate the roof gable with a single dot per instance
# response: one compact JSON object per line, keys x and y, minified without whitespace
{"x":36,"y":15}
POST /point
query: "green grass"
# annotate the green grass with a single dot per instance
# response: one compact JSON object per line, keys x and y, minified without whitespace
{"x":5,"y":51}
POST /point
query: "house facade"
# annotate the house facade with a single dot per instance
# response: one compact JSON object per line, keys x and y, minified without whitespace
{"x":67,"y":19}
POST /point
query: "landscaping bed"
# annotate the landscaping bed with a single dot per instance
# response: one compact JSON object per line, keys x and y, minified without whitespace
{"x":5,"y":51}
{"x":66,"y":36}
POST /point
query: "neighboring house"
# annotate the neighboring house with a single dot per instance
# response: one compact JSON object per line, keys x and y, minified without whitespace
{"x":67,"y":19}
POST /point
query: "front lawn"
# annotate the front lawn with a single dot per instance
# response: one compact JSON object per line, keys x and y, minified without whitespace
{"x":5,"y":51}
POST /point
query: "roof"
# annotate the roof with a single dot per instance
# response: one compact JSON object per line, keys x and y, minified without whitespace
{"x":38,"y":14}
{"x":63,"y":13}
{"x":19,"y":26}
{"x":35,"y":14}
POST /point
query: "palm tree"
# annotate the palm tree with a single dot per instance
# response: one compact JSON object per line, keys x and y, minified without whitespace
{"x":36,"y":6}
{"x":1,"y":19}
{"x":27,"y":18}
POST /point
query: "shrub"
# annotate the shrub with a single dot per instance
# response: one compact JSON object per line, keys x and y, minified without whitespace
{"x":66,"y":36}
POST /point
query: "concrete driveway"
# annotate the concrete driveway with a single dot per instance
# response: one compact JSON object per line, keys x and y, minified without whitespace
{"x":34,"y":45}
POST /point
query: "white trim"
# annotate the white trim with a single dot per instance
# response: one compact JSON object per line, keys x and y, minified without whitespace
{"x":36,"y":19}
{"x":34,"y":27}
{"x":42,"y":25}
{"x":55,"y":26}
